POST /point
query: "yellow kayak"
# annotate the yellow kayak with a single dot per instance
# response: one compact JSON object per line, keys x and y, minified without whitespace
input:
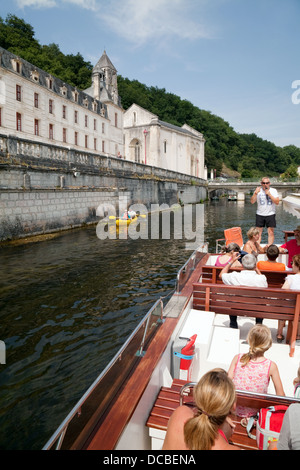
{"x":125,"y":221}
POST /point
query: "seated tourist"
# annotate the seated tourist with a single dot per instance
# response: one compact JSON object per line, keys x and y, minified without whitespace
{"x":208,"y":426}
{"x":249,"y":276}
{"x":252,"y":245}
{"x":226,"y":257}
{"x":292,"y":246}
{"x":252,"y":371}
{"x":289,"y":438}
{"x":271,"y":264}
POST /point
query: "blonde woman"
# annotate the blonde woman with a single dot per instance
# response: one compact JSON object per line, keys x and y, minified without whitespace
{"x":252,"y":245}
{"x":252,"y":371}
{"x":209,"y":426}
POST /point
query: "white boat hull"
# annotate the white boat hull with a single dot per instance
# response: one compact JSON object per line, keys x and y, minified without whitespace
{"x":291,"y":204}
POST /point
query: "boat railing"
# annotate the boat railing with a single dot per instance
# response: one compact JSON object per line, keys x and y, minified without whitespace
{"x":100,"y":394}
{"x":186,"y":270}
{"x":185,"y":389}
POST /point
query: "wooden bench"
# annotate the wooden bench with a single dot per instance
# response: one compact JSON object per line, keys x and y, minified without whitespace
{"x":271,"y":303}
{"x":168,"y":400}
{"x":211,"y":274}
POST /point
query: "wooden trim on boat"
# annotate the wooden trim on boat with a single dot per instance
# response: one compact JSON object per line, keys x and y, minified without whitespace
{"x":107,"y":433}
{"x":106,"y":436}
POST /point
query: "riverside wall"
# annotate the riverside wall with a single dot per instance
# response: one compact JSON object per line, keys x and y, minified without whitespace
{"x":46,"y":188}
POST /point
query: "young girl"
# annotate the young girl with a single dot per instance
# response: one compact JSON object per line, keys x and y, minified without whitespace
{"x":252,"y":371}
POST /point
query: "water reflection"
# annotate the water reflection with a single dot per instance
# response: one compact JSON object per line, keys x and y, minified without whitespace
{"x":67,"y":305}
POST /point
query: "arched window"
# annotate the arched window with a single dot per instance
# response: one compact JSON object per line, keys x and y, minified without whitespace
{"x":137,"y":152}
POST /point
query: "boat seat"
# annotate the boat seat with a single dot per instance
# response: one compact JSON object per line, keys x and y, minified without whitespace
{"x":180,"y":392}
{"x":232,"y":235}
{"x":257,"y":302}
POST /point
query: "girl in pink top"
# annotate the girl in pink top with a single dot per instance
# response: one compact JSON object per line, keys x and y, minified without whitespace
{"x":252,"y":371}
{"x":226,"y":256}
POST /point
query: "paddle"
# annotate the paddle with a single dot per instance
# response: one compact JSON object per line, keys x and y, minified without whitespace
{"x":112,"y":217}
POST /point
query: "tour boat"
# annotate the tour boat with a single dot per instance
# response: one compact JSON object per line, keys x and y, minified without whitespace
{"x":291,"y":203}
{"x":128,"y":405}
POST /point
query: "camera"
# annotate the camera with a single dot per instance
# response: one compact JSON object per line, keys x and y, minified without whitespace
{"x":242,"y":254}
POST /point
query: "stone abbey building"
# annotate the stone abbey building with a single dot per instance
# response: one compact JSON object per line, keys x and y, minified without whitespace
{"x":39,"y":107}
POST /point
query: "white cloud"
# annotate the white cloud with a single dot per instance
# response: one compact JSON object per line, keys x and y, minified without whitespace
{"x":36,"y":3}
{"x":139,"y":22}
{"x":87,"y":4}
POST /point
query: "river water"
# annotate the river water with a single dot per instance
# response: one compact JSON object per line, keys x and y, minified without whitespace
{"x":67,"y":304}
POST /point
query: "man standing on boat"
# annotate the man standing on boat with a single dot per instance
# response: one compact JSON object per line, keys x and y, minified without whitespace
{"x":250,"y":276}
{"x":267,"y":199}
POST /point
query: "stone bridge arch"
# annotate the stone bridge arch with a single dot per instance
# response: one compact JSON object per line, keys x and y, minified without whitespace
{"x":243,"y":188}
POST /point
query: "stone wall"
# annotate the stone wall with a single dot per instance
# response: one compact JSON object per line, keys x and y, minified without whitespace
{"x":48,"y":188}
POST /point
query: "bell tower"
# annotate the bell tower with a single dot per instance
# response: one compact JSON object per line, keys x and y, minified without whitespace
{"x":104,"y":78}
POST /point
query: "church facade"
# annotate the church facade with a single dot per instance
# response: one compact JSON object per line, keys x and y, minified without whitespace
{"x":154,"y":142}
{"x":36,"y":106}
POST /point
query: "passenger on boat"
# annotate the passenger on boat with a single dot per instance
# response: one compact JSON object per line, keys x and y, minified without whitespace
{"x":271,"y":264}
{"x":250,"y":276}
{"x":292,"y":246}
{"x":292,"y":282}
{"x":252,"y":245}
{"x":226,"y":257}
{"x":289,"y":437}
{"x":209,"y":426}
{"x":252,"y":371}
{"x":296,"y":383}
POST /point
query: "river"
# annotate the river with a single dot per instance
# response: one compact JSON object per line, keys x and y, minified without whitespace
{"x":67,"y":305}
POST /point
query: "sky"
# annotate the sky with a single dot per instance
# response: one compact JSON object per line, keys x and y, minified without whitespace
{"x":238,"y":59}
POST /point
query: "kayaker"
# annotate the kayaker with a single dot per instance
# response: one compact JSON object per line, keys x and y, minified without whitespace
{"x":125,"y":215}
{"x":131,"y":214}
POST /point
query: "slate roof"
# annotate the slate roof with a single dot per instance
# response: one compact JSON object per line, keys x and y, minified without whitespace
{"x":104,"y":61}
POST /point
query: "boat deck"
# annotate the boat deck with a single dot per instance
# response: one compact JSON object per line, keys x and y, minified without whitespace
{"x":279,"y":352}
